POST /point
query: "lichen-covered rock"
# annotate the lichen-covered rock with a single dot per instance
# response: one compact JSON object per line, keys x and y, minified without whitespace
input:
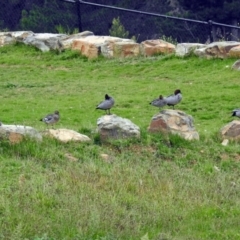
{"x":175,"y":122}
{"x":66,"y":135}
{"x":115,"y":127}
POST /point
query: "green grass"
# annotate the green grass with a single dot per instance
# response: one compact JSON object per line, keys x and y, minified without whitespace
{"x":151,"y":188}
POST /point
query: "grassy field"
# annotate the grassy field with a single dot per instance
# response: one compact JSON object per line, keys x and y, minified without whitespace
{"x":152,"y":188}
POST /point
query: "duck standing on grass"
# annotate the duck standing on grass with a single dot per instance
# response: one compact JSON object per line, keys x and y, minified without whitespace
{"x":159,"y":102}
{"x":106,"y":104}
{"x":174,"y":99}
{"x":52,"y":118}
{"x":236,"y":113}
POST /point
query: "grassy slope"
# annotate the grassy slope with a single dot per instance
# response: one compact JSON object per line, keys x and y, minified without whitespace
{"x":165,"y":188}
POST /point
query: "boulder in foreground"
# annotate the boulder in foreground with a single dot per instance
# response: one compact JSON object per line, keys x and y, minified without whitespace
{"x":66,"y":135}
{"x":174,"y":122}
{"x":115,"y":127}
{"x":16,"y":133}
{"x":231,"y":130}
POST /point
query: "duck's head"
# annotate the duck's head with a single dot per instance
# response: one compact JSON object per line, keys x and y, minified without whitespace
{"x":177,"y":91}
{"x":107,"y":97}
{"x":160,"y":97}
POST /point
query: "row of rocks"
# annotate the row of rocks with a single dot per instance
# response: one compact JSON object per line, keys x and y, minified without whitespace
{"x":110,"y":127}
{"x":92,"y":46}
{"x":115,"y":127}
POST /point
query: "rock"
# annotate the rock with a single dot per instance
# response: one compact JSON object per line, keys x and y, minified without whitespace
{"x":175,"y":122}
{"x":67,"y":43}
{"x":12,"y":37}
{"x":126,"y":49}
{"x":186,"y":49}
{"x":216,"y":49}
{"x":231,"y":131}
{"x":115,"y":127}
{"x":225,"y":142}
{"x":6,"y":39}
{"x":46,"y":41}
{"x":16,"y":133}
{"x":66,"y":135}
{"x":235,"y":52}
{"x":94,"y":46}
{"x":157,"y":46}
{"x":236,"y":65}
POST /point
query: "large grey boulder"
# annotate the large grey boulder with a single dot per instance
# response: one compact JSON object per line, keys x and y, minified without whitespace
{"x":15,"y":133}
{"x":216,"y":49}
{"x":46,"y":41}
{"x":115,"y":127}
{"x":174,"y":122}
{"x":186,"y":49}
{"x":66,"y":135}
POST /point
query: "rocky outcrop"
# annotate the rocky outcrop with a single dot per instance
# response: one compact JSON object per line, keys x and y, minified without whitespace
{"x":93,"y":46}
{"x":16,"y":133}
{"x":174,"y":122}
{"x":156,"y":46}
{"x":186,"y":49}
{"x":231,"y":130}
{"x":115,"y":127}
{"x":216,"y":49}
{"x":66,"y":135}
{"x":236,"y":65}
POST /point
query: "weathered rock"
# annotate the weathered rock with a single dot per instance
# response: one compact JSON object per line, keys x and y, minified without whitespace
{"x":236,"y":65}
{"x":115,"y":127}
{"x":156,"y":46}
{"x":186,"y":49}
{"x":67,"y":43}
{"x":126,"y":49}
{"x":93,"y":46}
{"x":235,"y":52}
{"x":6,"y":39}
{"x":46,"y":41}
{"x":16,"y":133}
{"x":12,"y":37}
{"x":66,"y":135}
{"x":231,"y":131}
{"x":175,"y":122}
{"x":216,"y":49}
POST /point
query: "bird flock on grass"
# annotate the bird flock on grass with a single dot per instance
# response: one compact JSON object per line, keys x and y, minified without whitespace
{"x":108,"y":103}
